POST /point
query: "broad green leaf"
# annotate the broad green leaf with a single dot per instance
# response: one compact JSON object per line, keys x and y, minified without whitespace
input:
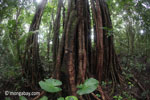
{"x":50,"y":85}
{"x":60,"y":98}
{"x":89,"y":86}
{"x":54,"y":82}
{"x":80,"y":86}
{"x":44,"y":98}
{"x":71,"y":98}
{"x":91,"y":81}
{"x":22,"y":98}
{"x":86,"y":90}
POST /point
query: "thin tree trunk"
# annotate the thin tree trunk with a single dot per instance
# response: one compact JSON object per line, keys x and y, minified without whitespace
{"x":56,"y":31}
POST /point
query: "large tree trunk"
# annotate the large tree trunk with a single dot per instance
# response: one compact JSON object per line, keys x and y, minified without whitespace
{"x":32,"y":65}
{"x":77,"y":58}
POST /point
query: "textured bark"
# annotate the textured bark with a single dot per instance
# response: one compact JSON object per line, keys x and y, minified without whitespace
{"x":107,"y":64}
{"x":77,"y":57}
{"x":81,"y":42}
{"x":31,"y":64}
{"x":99,"y":40}
{"x":69,"y":48}
{"x":56,"y":31}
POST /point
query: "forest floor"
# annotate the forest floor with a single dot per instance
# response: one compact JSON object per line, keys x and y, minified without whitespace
{"x":135,"y":86}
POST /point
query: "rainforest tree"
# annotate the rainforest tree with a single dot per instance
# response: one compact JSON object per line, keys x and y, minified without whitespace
{"x":71,"y":41}
{"x":78,"y":56}
{"x":32,"y":67}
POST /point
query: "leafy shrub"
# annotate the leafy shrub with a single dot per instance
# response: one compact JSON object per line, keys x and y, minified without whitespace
{"x":51,"y":85}
{"x":118,"y":97}
{"x":89,"y":86}
{"x":44,"y":98}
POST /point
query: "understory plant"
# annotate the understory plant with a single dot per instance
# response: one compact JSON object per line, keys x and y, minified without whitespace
{"x":53,"y":86}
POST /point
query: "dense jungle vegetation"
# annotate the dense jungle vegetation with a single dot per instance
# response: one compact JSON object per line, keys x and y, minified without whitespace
{"x":74,"y":49}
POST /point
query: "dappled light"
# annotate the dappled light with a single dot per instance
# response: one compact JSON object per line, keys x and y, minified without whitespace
{"x":141,"y":31}
{"x":38,"y":1}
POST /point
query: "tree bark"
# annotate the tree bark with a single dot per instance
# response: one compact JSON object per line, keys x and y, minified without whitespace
{"x":32,"y":65}
{"x":77,"y":58}
{"x":56,"y":31}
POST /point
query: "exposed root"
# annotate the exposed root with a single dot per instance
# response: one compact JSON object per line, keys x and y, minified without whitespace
{"x":141,"y":87}
{"x":95,"y":96}
{"x":104,"y":96}
{"x":136,"y":95}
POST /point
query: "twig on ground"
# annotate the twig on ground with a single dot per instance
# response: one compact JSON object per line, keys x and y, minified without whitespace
{"x":141,"y":87}
{"x":95,"y":96}
{"x":37,"y":97}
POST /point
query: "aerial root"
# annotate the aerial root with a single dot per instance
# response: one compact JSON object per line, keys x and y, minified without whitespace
{"x":104,"y":95}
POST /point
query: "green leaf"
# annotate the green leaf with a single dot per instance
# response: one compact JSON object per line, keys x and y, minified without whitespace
{"x":115,"y":97}
{"x":50,"y":85}
{"x":71,"y":98}
{"x":86,"y":90}
{"x":120,"y":97}
{"x":44,"y":98}
{"x":91,"y":81}
{"x":22,"y":98}
{"x":80,"y":86}
{"x":22,"y":39}
{"x":89,"y":86}
{"x":7,"y":98}
{"x":54,"y":82}
{"x":98,"y":95}
{"x":60,"y":98}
